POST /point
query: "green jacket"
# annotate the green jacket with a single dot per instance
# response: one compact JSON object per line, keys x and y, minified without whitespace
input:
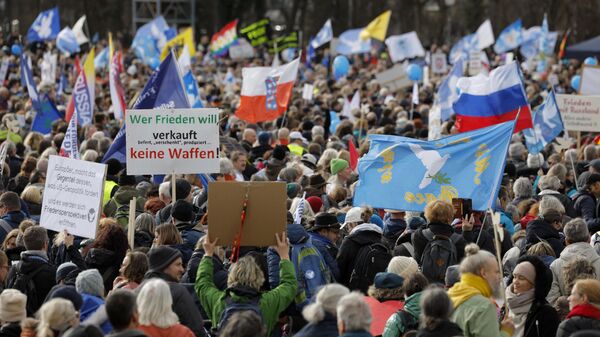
{"x":271,"y":303}
{"x":477,"y":317}
{"x":394,"y":327}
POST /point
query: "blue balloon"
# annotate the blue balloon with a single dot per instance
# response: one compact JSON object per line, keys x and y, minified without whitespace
{"x":341,"y":65}
{"x":16,"y":50}
{"x":415,"y":73}
{"x":575,"y":81}
{"x":590,"y":61}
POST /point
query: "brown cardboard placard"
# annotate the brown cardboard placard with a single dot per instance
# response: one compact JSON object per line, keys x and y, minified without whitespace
{"x":266,"y":212}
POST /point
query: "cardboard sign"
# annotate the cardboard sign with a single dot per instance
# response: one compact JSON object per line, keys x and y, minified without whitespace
{"x":307,"y":91}
{"x":579,"y":113}
{"x":164,"y":141}
{"x":73,"y":196}
{"x":394,"y":78}
{"x":438,"y":63}
{"x":266,"y":212}
{"x":590,"y":81}
{"x":475,"y":65}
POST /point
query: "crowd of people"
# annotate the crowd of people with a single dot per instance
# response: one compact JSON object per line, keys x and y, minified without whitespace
{"x":339,"y":269}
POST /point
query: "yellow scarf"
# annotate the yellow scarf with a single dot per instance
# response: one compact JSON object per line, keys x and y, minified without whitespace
{"x":469,"y":286}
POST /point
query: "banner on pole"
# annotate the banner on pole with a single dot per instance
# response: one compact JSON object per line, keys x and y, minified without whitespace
{"x":172,"y":141}
{"x":579,"y":113}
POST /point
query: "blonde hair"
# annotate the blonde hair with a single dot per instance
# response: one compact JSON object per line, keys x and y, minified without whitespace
{"x":245,"y":272}
{"x":439,"y":211}
{"x":32,"y":194}
{"x":90,"y":155}
{"x":154,"y":302}
{"x":167,"y":234}
{"x":589,"y":288}
{"x":55,"y":315}
{"x":326,"y":302}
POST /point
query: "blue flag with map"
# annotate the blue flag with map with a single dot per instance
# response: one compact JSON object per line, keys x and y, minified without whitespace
{"x":405,"y":174}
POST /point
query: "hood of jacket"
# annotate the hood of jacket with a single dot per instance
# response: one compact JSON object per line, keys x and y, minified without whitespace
{"x":31,"y":260}
{"x":542,"y":229}
{"x":14,"y":217}
{"x":412,"y":304}
{"x":296,"y":233}
{"x":370,"y":227}
{"x":126,"y":193}
{"x":581,"y":249}
{"x":365,"y":237}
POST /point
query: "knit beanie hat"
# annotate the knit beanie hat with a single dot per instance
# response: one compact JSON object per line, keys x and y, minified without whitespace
{"x":161,"y":257}
{"x":90,"y":282}
{"x":64,"y":269}
{"x":182,"y":211}
{"x":12,"y":306}
{"x":315,"y":203}
{"x":337,"y":165}
{"x":527,"y":270}
{"x":292,"y":190}
{"x":403,"y":266}
{"x":68,"y":293}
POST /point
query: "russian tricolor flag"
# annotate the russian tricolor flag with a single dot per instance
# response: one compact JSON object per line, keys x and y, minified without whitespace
{"x":266,"y":91}
{"x":485,"y":101}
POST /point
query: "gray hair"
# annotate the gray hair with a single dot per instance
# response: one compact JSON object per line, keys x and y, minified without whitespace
{"x":549,"y":202}
{"x":535,"y":160}
{"x":165,"y":189}
{"x":589,"y":152}
{"x":354,"y":312}
{"x":576,"y":230}
{"x":522,"y":188}
{"x":549,"y":182}
{"x":558,"y":170}
{"x":145,"y":222}
{"x":436,"y":307}
{"x":516,"y":150}
{"x":318,"y":130}
{"x":226,"y":166}
{"x":154,"y":304}
{"x":475,"y":259}
{"x":326,"y":302}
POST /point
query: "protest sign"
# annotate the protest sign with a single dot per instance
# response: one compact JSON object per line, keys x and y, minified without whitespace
{"x":579,"y":113}
{"x":475,"y":65}
{"x":73,"y":196}
{"x":590,"y":81}
{"x":394,"y":79}
{"x":266,"y":212}
{"x":307,"y":91}
{"x":257,"y":33}
{"x":164,"y":141}
{"x":438,"y":63}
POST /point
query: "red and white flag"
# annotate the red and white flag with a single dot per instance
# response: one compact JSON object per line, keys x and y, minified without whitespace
{"x":266,"y":91}
{"x":69,"y":146}
{"x":117,"y":94}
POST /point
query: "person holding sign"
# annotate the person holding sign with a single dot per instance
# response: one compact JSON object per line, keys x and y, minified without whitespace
{"x":243,"y":286}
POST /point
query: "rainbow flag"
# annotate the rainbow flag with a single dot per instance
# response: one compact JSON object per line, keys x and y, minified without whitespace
{"x":220,"y":42}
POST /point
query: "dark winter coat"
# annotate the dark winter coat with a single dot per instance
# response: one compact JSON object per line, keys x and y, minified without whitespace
{"x":143,"y":239}
{"x":219,"y":271}
{"x":419,"y":241}
{"x":44,"y":280}
{"x":586,"y":207}
{"x":325,"y":328}
{"x":183,"y":303}
{"x":444,"y":329}
{"x":349,"y":248}
{"x":590,"y":320}
{"x":541,"y":230}
{"x":11,"y":330}
{"x":128,"y":333}
{"x":107,"y":262}
{"x":60,"y":254}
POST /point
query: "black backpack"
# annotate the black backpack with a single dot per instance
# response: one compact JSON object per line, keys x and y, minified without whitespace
{"x":370,"y":260}
{"x":411,"y":324}
{"x":24,"y":283}
{"x":231,"y":307}
{"x":439,"y":253}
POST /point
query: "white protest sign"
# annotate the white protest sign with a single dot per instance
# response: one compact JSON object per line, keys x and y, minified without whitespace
{"x":475,"y":66}
{"x":590,"y":81}
{"x":73,"y":196}
{"x":4,"y":69}
{"x":438,"y":63}
{"x":579,"y":113}
{"x":394,"y":78}
{"x":307,"y":92}
{"x":164,"y":141}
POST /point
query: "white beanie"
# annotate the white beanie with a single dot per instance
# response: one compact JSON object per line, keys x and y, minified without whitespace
{"x":403,"y":266}
{"x":12,"y":306}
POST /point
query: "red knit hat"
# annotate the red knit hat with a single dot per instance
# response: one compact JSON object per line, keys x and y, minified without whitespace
{"x":315,"y":203}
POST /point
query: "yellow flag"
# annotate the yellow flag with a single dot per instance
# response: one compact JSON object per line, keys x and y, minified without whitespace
{"x":184,"y":38}
{"x":111,"y":48}
{"x":377,"y":29}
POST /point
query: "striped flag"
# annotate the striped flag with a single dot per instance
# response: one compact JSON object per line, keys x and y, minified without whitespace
{"x":117,"y":94}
